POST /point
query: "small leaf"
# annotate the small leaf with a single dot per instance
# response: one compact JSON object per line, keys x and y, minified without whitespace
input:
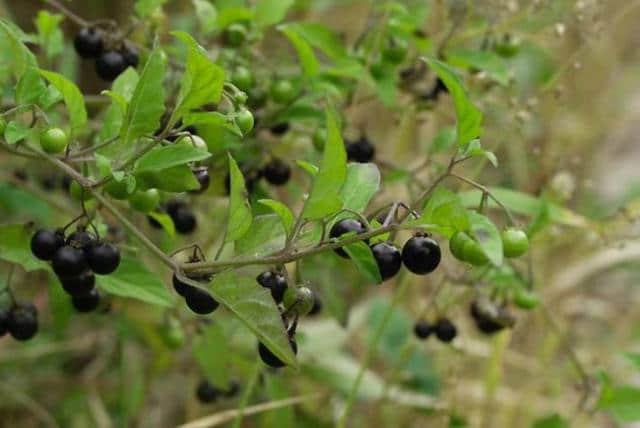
{"x":176,"y":179}
{"x":270,"y":12}
{"x":285,"y":214}
{"x":207,"y":16}
{"x":307,"y":58}
{"x":121,"y":93}
{"x":488,"y":236}
{"x":30,"y":87}
{"x":485,"y":60}
{"x":144,"y":7}
{"x":15,"y":247}
{"x":165,"y":221}
{"x":16,"y":131}
{"x":552,"y":421}
{"x":361,"y":184}
{"x":212,"y":119}
{"x":309,"y":167}
{"x":211,"y":352}
{"x":239,"y":210}
{"x":362,"y":257}
{"x":474,"y":149}
{"x":132,"y":279}
{"x":444,"y":210}
{"x":623,"y":402}
{"x":19,"y":56}
{"x":265,"y":235}
{"x":255,"y":307}
{"x":445,"y":140}
{"x":73,"y":98}
{"x":49,"y":33}
{"x":169,"y":156}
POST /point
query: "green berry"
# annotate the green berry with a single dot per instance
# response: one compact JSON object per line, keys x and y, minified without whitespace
{"x":235,"y":35}
{"x":241,"y":98}
{"x":78,"y":193}
{"x":298,"y":300}
{"x":526,"y":299}
{"x":244,"y":120}
{"x":193,"y":140}
{"x":514,"y":242}
{"x":396,"y":51}
{"x":145,"y":201}
{"x":472,"y":253}
{"x":457,"y":243}
{"x":242,"y":78}
{"x":508,"y":47}
{"x":54,"y":140}
{"x":282,"y":91}
{"x":173,"y":334}
{"x":319,"y":138}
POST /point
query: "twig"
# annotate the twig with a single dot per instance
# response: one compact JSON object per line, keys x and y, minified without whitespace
{"x":65,"y":11}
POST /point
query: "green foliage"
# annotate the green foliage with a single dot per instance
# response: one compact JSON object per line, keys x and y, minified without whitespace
{"x":239,"y":218}
{"x":72,"y":98}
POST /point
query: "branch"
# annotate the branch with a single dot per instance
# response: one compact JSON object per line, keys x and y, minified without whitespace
{"x":68,"y":13}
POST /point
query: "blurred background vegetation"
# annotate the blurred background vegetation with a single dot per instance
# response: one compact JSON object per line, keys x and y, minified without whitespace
{"x":565,"y":130}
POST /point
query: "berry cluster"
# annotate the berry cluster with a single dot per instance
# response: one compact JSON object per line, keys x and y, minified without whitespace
{"x":76,"y":260}
{"x":443,"y":328}
{"x":208,"y":393}
{"x":111,"y":57}
{"x":21,"y":321}
{"x":463,"y":247}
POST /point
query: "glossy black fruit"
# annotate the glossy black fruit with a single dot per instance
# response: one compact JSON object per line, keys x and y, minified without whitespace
{"x":80,"y":284}
{"x":182,"y":288}
{"x":202,"y":175}
{"x":421,"y":255}
{"x":445,"y":330}
{"x":279,"y":128}
{"x":423,"y":329}
{"x":270,"y":359}
{"x":69,"y":261}
{"x":361,"y":151}
{"x":277,"y":172}
{"x":388,"y":258}
{"x":275,"y":282}
{"x":206,"y":392}
{"x":45,"y":243}
{"x":81,"y":239}
{"x":184,"y":220}
{"x":200,"y":302}
{"x":484,"y":323}
{"x":22,"y":322}
{"x":4,"y":322}
{"x":88,"y":42}
{"x":110,"y":65}
{"x":131,"y":57}
{"x":103,"y":258}
{"x":87,"y":302}
{"x":346,"y":225}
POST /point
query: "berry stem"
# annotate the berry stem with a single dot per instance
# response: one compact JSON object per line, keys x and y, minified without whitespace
{"x":486,"y":192}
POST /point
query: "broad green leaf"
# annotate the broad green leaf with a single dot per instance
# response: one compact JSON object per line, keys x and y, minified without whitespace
{"x":202,"y":79}
{"x":176,"y":179}
{"x":30,"y":87}
{"x":285,"y":214}
{"x":19,"y":57}
{"x":147,"y":102}
{"x":207,"y":15}
{"x":73,"y":99}
{"x":20,"y":203}
{"x":169,"y":156}
{"x":361,"y":184}
{"x":469,"y":118}
{"x":299,"y":111}
{"x":132,"y":279}
{"x":444,"y":210}
{"x":165,"y":221}
{"x":485,"y":60}
{"x":306,"y":56}
{"x":321,"y":37}
{"x":362,"y":257}
{"x":230,"y":15}
{"x":16,"y":131}
{"x":144,"y":7}
{"x":552,"y":421}
{"x":324,"y":197}
{"x":120,"y":94}
{"x":49,"y":33}
{"x":623,"y":402}
{"x":487,"y":235}
{"x":270,"y":12}
{"x":239,"y":219}
{"x":211,"y":352}
{"x":255,"y":307}
{"x":265,"y":235}
{"x":15,"y":246}
{"x":212,"y":119}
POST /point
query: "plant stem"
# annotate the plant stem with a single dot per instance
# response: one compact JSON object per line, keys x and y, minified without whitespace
{"x":247,"y":395}
{"x":69,"y":14}
{"x":486,"y":192}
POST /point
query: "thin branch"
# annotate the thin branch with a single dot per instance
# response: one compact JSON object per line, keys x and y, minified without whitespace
{"x":68,"y":13}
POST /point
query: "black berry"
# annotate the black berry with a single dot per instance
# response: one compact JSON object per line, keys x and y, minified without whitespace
{"x":445,"y":330}
{"x":202,"y":175}
{"x":88,"y":42}
{"x":184,"y":220}
{"x":270,"y":359}
{"x":45,"y":243}
{"x":206,"y":392}
{"x":87,"y":302}
{"x":346,"y":225}
{"x":80,"y":284}
{"x":200,"y":302}
{"x":109,"y":65}
{"x":361,"y":151}
{"x":317,"y":305}
{"x":81,"y":239}
{"x":69,"y":261}
{"x":22,"y":322}
{"x":277,"y":172}
{"x":4,"y":322}
{"x":279,"y":128}
{"x":483,"y":322}
{"x":182,"y":288}
{"x":103,"y":258}
{"x":131,"y":57}
{"x":388,"y":258}
{"x":421,"y":255}
{"x":423,"y":329}
{"x":275,"y":282}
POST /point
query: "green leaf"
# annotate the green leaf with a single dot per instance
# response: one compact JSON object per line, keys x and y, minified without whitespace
{"x":73,"y":99}
{"x":144,"y":7}
{"x":132,"y":279}
{"x":176,"y":179}
{"x":169,"y":156}
{"x":165,"y":221}
{"x":265,"y":235}
{"x":444,"y":210}
{"x":361,"y":184}
{"x":19,"y":57}
{"x":469,"y":118}
{"x":15,"y":247}
{"x":120,"y":94}
{"x":202,"y":79}
{"x":49,"y":33}
{"x":285,"y":214}
{"x":485,"y":60}
{"x":211,"y":352}
{"x":445,"y":140}
{"x":230,"y":15}
{"x":324,"y":197}
{"x":255,"y":307}
{"x":552,"y":421}
{"x":239,"y":210}
{"x":634,"y":358}
{"x":623,"y":402}
{"x":541,"y":219}
{"x":487,"y":235}
{"x":270,"y":12}
{"x":321,"y":37}
{"x":474,"y":149}
{"x":147,"y":102}
{"x":30,"y":87}
{"x":207,"y":16}
{"x":362,"y":257}
{"x":16,"y":131}
{"x":306,"y":56}
{"x":212,"y":119}
{"x":309,"y":167}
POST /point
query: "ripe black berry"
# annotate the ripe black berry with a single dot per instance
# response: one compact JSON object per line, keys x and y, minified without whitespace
{"x":103,"y":258}
{"x":81,"y":239}
{"x":23,"y":321}
{"x":388,"y":258}
{"x":131,"y":57}
{"x":202,"y":175}
{"x":279,"y":128}
{"x":361,"y":151}
{"x":270,"y":359}
{"x":206,"y":392}
{"x":421,"y":255}
{"x":346,"y":225}
{"x":69,"y":261}
{"x":45,"y":243}
{"x":423,"y":329}
{"x":4,"y":322}
{"x":277,"y":172}
{"x":200,"y":302}
{"x":182,"y":288}
{"x":183,"y":219}
{"x":80,"y":284}
{"x":87,"y":302}
{"x":109,"y":65}
{"x":88,"y":42}
{"x":445,"y":330}
{"x":275,"y":282}
{"x":483,"y":322}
